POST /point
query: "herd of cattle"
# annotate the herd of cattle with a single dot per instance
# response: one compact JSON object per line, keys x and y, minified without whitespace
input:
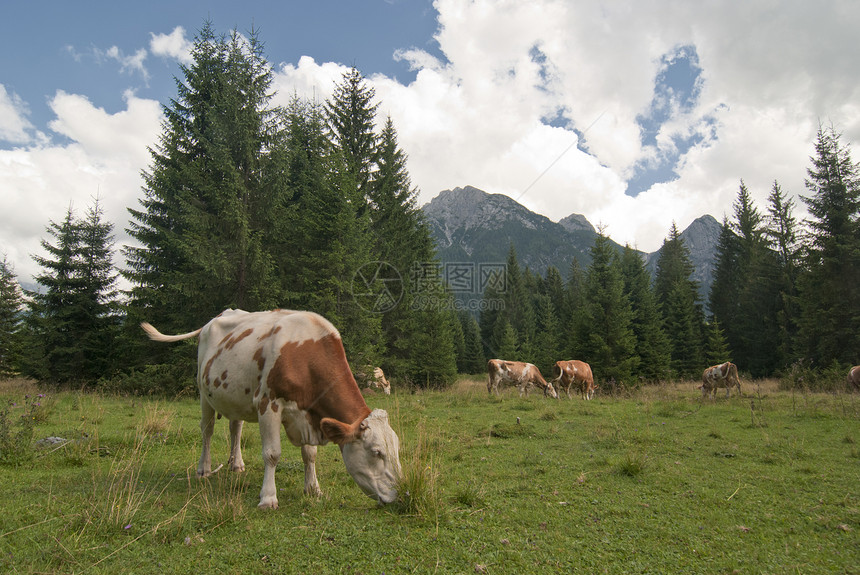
{"x":288,"y":368}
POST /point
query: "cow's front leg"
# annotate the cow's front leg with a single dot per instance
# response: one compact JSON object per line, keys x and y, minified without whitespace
{"x":207,"y":426}
{"x":236,"y":462}
{"x":309,"y":457}
{"x":270,"y":437}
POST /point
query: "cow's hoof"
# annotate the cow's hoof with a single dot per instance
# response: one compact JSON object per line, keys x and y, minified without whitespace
{"x":268,"y":503}
{"x":238,"y":468}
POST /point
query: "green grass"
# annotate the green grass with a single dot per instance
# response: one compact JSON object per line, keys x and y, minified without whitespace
{"x":656,"y":482}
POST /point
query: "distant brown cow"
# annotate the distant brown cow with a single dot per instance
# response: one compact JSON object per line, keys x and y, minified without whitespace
{"x":574,"y":373}
{"x":523,"y":375}
{"x":722,"y":375}
{"x":854,"y":377}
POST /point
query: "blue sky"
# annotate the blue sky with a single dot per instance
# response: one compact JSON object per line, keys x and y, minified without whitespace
{"x":68,"y":44}
{"x":637,"y":115}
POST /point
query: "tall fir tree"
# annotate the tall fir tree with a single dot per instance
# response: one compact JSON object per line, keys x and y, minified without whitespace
{"x":547,"y":348}
{"x":402,"y":240}
{"x":576,"y":320}
{"x":204,"y":228}
{"x":351,"y":116}
{"x":652,"y":344}
{"x":829,"y":319}
{"x":782,"y":230}
{"x":750,"y":323}
{"x":69,"y":327}
{"x":11,"y":306}
{"x":677,"y":295}
{"x":610,"y":342}
{"x":473,"y":360}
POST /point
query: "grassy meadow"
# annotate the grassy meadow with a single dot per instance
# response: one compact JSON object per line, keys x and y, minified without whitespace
{"x":655,"y":481}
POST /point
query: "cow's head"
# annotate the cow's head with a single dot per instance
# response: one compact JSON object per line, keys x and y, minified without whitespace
{"x":550,"y":391}
{"x":371,"y":453}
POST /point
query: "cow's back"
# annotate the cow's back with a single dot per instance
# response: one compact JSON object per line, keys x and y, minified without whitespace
{"x":238,"y":350}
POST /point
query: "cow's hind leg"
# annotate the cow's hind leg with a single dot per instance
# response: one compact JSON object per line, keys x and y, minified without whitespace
{"x":207,"y":426}
{"x":236,"y":462}
{"x":309,"y":458}
{"x":270,"y":436}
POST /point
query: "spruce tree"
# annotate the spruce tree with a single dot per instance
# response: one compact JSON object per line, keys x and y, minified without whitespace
{"x":782,"y":231}
{"x":829,"y":290}
{"x":403,"y":241}
{"x":473,"y":360}
{"x":575,"y":328}
{"x":677,"y":295}
{"x":11,"y":304}
{"x":204,"y":228}
{"x":610,"y":342}
{"x":351,"y":116}
{"x":547,"y":348}
{"x":69,"y":327}
{"x":652,"y":344}
{"x":716,"y":347}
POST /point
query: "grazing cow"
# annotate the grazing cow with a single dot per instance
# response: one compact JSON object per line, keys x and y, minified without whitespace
{"x":576,"y":373}
{"x":289,"y":368}
{"x":523,"y":375}
{"x":854,"y":377}
{"x":722,"y":375}
{"x":378,"y":380}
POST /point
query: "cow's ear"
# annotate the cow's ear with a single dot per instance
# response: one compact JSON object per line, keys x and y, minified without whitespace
{"x":337,"y":431}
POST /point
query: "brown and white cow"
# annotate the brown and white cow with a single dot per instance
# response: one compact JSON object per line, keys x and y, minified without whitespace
{"x":289,"y":368}
{"x":523,"y":375}
{"x":574,"y":373}
{"x":378,"y":380}
{"x":854,"y":377}
{"x":722,"y":375}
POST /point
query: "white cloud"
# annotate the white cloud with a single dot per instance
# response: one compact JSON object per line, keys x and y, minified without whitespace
{"x":103,"y":159}
{"x":174,"y":45}
{"x":14,"y":125}
{"x":129,"y":63}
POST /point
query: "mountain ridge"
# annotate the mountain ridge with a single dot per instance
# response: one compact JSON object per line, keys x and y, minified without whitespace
{"x":472,"y":226}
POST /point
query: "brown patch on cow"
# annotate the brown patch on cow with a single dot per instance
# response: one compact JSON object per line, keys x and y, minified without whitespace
{"x":247,"y":390}
{"x":275,"y":407}
{"x":264,"y":403}
{"x":217,"y":382}
{"x":224,"y":385}
{"x":270,"y":333}
{"x":209,"y":365}
{"x":259,"y":358}
{"x":232,"y":343}
{"x":316,"y":375}
{"x":224,"y":375}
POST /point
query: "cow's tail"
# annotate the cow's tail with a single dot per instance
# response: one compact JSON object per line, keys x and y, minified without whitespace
{"x":156,"y":335}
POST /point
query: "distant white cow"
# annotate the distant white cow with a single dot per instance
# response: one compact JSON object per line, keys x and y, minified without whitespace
{"x":722,"y":375}
{"x":523,"y":375}
{"x":289,"y":368}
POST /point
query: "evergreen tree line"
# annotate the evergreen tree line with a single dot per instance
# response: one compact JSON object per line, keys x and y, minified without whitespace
{"x":785,"y":293}
{"x":245,"y":205}
{"x":310,"y":206}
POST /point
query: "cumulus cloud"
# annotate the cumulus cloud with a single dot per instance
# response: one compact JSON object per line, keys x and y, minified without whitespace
{"x":544,"y":101}
{"x":174,"y":45}
{"x":103,"y":159}
{"x":14,"y":126}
